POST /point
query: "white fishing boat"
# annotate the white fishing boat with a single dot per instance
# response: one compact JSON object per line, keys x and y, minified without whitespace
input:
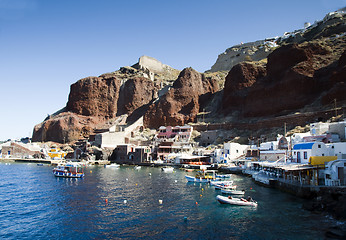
{"x":202,"y":176}
{"x":232,"y":191}
{"x":223,"y":184}
{"x":236,"y":201}
{"x":113,"y":165}
{"x":223,"y":175}
{"x":218,"y":182}
{"x":167,"y":169}
{"x":70,"y":170}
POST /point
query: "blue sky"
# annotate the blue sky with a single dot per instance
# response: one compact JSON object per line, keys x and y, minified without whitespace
{"x":46,"y":45}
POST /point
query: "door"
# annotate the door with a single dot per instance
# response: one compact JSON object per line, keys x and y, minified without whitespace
{"x":341,"y":175}
{"x":298,"y":157}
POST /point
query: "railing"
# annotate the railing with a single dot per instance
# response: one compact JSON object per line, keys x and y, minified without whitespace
{"x":333,"y":182}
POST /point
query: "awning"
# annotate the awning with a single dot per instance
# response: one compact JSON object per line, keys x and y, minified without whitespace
{"x":321,"y":160}
{"x":296,"y":167}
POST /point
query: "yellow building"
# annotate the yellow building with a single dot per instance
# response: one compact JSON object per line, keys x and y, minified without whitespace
{"x":55,"y":152}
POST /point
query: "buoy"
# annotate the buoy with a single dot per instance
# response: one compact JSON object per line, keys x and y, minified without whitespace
{"x":91,"y":171}
{"x":176,"y":181}
{"x":250,"y":187}
{"x":202,"y":189}
{"x":106,"y":200}
{"x":136,"y":184}
{"x":150,"y":174}
{"x":200,"y":195}
{"x":125,"y":201}
{"x":160,"y":201}
{"x":196,"y":203}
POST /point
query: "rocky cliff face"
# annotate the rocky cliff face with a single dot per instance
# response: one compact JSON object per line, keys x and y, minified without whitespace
{"x":180,"y":104}
{"x":295,"y":76}
{"x":94,"y":101}
{"x":333,"y":24}
{"x":94,"y":96}
{"x":64,"y":127}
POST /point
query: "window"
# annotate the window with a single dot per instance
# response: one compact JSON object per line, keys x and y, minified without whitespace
{"x":305,"y":155}
{"x":319,"y":145}
{"x":237,"y":151}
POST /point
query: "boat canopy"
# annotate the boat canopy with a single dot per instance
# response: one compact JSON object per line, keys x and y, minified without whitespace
{"x":320,"y":160}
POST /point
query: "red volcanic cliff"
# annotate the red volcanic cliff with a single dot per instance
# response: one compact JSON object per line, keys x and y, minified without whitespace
{"x":94,"y":96}
{"x":294,"y":77}
{"x":180,"y":104}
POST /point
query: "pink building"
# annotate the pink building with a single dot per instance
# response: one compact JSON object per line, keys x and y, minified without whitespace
{"x":178,"y":133}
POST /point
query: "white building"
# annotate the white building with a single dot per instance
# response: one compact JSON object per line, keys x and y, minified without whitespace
{"x":302,"y":152}
{"x":234,"y":150}
{"x":117,"y":135}
{"x":272,"y":156}
{"x":335,"y":173}
{"x":337,"y":149}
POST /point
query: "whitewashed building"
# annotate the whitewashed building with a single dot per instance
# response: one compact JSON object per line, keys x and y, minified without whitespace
{"x":234,"y":150}
{"x":337,"y":149}
{"x":272,"y":156}
{"x":302,"y":152}
{"x":335,"y":173}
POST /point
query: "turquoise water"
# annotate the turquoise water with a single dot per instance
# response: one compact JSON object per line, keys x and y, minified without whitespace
{"x":124,"y":204}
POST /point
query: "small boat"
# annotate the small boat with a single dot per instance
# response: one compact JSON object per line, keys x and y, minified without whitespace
{"x":167,"y":169}
{"x":236,"y":201}
{"x":223,"y":175}
{"x":232,"y":191}
{"x":113,"y":165}
{"x":202,"y":177}
{"x":222,"y":186}
{"x":137,"y":167}
{"x":69,"y":170}
{"x":218,"y":182}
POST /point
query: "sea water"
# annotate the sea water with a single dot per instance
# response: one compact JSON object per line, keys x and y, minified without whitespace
{"x":125,"y":203}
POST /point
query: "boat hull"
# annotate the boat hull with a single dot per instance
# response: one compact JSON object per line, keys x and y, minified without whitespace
{"x":233,"y":192}
{"x":235,"y":201}
{"x":199,"y":180}
{"x":67,"y":174}
{"x":167,"y":169}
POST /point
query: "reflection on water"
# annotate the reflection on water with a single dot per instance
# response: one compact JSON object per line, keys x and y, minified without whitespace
{"x":124,"y":203}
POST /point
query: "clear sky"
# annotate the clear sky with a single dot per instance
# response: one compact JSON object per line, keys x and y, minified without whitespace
{"x":47,"y":45}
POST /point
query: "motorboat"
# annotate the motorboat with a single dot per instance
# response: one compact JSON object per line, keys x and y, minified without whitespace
{"x":236,"y":201}
{"x":167,"y":169}
{"x":225,"y":187}
{"x":223,"y":175}
{"x":70,"y":170}
{"x":223,"y":184}
{"x":202,"y":176}
{"x":232,"y":191}
{"x":113,"y":165}
{"x":218,"y":182}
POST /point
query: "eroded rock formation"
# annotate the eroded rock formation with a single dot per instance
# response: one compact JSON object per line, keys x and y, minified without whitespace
{"x":180,"y":104}
{"x":295,"y":76}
